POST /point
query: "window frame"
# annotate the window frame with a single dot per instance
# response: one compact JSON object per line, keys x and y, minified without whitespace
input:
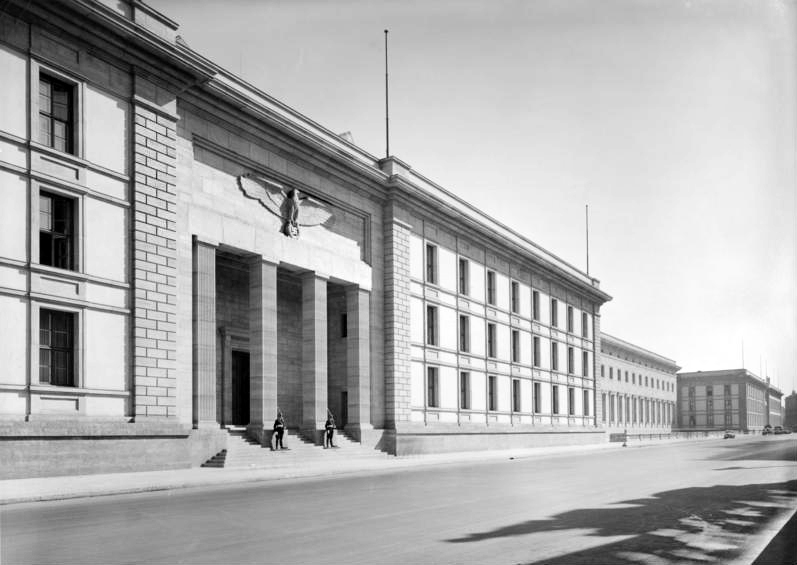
{"x":77,"y":343}
{"x":464,"y":276}
{"x":37,"y":190}
{"x":432,"y":325}
{"x":517,"y":405}
{"x":490,"y":289}
{"x":37,"y":70}
{"x":431,"y":264}
{"x":464,"y":333}
{"x":432,"y":387}
{"x":464,"y":390}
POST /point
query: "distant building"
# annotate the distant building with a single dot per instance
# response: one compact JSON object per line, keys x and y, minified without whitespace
{"x":790,"y":412}
{"x":728,"y":399}
{"x":637,"y":388}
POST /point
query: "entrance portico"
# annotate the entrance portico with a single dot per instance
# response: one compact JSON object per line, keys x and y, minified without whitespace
{"x":279,"y":314}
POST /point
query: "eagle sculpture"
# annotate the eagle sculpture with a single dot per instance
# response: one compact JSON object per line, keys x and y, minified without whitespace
{"x":294,"y":210}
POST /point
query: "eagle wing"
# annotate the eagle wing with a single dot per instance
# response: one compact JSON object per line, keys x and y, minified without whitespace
{"x":270,"y":194}
{"x":314,"y":212}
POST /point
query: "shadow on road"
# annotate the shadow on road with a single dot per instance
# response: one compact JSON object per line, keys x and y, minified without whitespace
{"x":763,"y":451}
{"x":710,"y":524}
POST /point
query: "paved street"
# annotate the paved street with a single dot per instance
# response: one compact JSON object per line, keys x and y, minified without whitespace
{"x":711,"y":501}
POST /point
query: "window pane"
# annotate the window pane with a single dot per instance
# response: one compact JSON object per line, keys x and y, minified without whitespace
{"x":62,"y":215}
{"x":44,"y":130}
{"x":60,"y":133}
{"x":44,"y":365}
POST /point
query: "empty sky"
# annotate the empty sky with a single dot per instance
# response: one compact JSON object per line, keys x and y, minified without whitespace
{"x":675,"y":121}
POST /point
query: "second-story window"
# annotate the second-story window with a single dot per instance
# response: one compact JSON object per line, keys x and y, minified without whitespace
{"x":535,"y":305}
{"x":584,"y":325}
{"x":571,"y":361}
{"x":570,"y":319}
{"x":431,"y":325}
{"x":464,"y":333}
{"x":431,"y":263}
{"x":554,"y":312}
{"x":536,"y":353}
{"x":584,"y":363}
{"x":554,"y":356}
{"x":491,"y":345}
{"x":56,"y":231}
{"x":515,"y":346}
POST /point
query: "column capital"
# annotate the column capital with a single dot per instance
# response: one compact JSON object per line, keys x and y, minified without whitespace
{"x":256,"y":260}
{"x":314,"y":275}
{"x":204,"y":241}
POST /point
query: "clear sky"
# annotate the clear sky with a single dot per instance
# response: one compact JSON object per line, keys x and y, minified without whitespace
{"x":676,"y":121}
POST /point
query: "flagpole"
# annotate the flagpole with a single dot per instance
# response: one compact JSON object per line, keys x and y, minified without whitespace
{"x":387,"y":108}
{"x":586,"y":212}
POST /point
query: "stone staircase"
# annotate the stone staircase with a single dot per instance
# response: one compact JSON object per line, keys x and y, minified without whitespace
{"x":244,"y":453}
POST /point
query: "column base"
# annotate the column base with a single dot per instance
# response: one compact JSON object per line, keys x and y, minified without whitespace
{"x":261,"y":435}
{"x":357,"y":431}
{"x":314,"y":436}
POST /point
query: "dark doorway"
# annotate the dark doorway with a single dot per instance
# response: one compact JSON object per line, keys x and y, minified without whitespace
{"x":240,"y":388}
{"x":344,"y":408}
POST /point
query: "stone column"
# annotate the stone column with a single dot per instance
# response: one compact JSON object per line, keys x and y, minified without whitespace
{"x":262,"y":349}
{"x":204,"y":333}
{"x":358,"y":360}
{"x":314,"y":355}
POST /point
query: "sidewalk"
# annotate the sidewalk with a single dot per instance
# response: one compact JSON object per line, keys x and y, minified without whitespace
{"x":14,"y":491}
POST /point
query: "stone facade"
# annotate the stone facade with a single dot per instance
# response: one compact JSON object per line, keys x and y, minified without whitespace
{"x":188,"y":310}
{"x":733,"y":399}
{"x":637,"y":388}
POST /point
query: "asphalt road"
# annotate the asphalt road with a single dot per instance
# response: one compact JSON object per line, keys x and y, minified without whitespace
{"x":713,"y":501}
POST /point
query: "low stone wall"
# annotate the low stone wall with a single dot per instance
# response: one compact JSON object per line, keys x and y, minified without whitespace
{"x":412,"y":440}
{"x":58,"y":448}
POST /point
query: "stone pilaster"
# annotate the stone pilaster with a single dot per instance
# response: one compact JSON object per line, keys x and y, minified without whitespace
{"x":204,"y":333}
{"x":358,"y":360}
{"x":262,"y":348}
{"x":397,"y":320}
{"x":596,"y":369}
{"x":314,"y":355}
{"x":154,"y":262}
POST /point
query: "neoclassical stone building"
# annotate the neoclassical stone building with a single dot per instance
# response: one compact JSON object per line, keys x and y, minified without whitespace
{"x":638,"y":388}
{"x":181,"y":253}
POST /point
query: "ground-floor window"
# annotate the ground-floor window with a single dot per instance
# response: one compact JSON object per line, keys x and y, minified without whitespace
{"x":491,"y":394}
{"x":56,"y":347}
{"x":433,"y":388}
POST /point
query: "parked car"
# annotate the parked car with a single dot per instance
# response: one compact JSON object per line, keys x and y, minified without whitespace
{"x":779,"y":430}
{"x":767,"y":430}
{"x":729,"y":435}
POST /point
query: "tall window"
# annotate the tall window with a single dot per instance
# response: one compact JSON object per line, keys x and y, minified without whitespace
{"x":536,"y":352}
{"x":431,"y":325}
{"x":586,"y":402}
{"x":56,"y":347}
{"x":491,"y":345}
{"x":515,"y":297}
{"x":516,"y":395}
{"x":432,"y":388}
{"x":584,"y":325}
{"x":515,"y":346}
{"x":56,"y":231}
{"x":570,"y":319}
{"x":491,"y":287}
{"x":464,"y":333}
{"x":431,"y":263}
{"x":555,"y":399}
{"x":56,"y":114}
{"x":535,"y":305}
{"x":554,"y":356}
{"x":537,"y":398}
{"x":611,"y":372}
{"x":571,"y":401}
{"x":344,"y":325}
{"x":571,"y":361}
{"x":554,"y":312}
{"x":464,"y":390}
{"x":585,"y":363}
{"x":464,"y":277}
{"x":491,"y":394}
{"x":603,"y":407}
{"x":603,"y":371}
